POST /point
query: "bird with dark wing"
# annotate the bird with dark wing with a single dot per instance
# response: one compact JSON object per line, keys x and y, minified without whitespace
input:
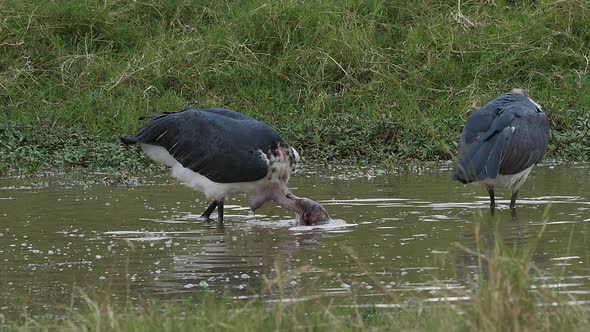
{"x":501,"y":143}
{"x":221,"y":153}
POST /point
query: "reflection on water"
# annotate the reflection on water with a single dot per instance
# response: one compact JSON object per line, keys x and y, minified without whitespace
{"x":389,"y":234}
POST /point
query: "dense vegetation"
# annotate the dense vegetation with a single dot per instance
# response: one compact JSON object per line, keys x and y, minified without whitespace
{"x":357,"y":79}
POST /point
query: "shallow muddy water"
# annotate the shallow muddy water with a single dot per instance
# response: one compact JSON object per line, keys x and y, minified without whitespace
{"x":389,"y":236}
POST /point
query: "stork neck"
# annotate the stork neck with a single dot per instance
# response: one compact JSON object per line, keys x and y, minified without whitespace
{"x":279,"y":194}
{"x":288,"y":201}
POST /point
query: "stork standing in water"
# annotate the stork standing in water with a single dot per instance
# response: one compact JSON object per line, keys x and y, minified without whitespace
{"x":221,"y":153}
{"x":501,"y":143}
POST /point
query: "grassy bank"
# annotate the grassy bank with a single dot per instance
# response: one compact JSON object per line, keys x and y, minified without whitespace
{"x":366,"y":80}
{"x":507,"y":292}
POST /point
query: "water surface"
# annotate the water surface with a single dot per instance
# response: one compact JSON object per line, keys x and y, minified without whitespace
{"x":79,"y":231}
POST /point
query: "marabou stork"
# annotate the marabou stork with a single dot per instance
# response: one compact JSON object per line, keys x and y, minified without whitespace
{"x":221,"y":153}
{"x":501,"y":143}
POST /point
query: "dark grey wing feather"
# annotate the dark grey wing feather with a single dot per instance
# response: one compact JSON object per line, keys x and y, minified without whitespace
{"x":506,"y":136}
{"x":502,"y":121}
{"x":528,"y":144}
{"x":482,"y":119}
{"x":224,"y":149}
{"x":482,"y":159}
{"x":499,"y":144}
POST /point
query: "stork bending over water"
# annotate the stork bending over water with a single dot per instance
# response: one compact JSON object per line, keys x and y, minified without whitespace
{"x":221,"y":153}
{"x":501,"y":143}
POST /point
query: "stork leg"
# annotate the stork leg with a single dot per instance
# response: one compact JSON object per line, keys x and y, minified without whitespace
{"x":492,"y":197}
{"x":220,"y":210}
{"x":513,"y":199}
{"x":209,"y":210}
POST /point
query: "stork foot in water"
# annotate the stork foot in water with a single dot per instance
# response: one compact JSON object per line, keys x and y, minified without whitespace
{"x":216,"y":204}
{"x":209,"y":210}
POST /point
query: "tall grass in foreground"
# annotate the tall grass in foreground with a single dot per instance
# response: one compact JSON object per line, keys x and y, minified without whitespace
{"x":509,"y":292}
{"x":505,"y":294}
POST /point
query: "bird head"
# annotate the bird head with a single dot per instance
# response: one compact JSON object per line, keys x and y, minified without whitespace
{"x":311,"y":212}
{"x":520,"y":91}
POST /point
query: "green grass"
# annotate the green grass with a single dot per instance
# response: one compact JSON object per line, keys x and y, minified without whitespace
{"x":215,"y":316}
{"x":507,"y":293}
{"x":363,"y":80}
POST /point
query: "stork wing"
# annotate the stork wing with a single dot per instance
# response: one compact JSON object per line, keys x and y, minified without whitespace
{"x":222,"y":145}
{"x":481,"y":159}
{"x":528,"y":144}
{"x":510,"y":140}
